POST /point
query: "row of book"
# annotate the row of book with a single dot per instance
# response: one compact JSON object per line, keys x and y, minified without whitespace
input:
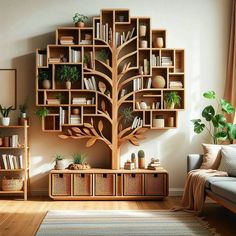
{"x":122,"y":37}
{"x":137,"y":84}
{"x":155,"y":60}
{"x":11,"y":141}
{"x":75,"y":56}
{"x":137,"y":122}
{"x":42,"y":59}
{"x":176,"y":84}
{"x":75,"y":119}
{"x":66,"y":40}
{"x":11,"y":162}
{"x":90,"y":83}
{"x":62,"y":115}
{"x":166,"y":61}
{"x":83,"y":101}
{"x":104,"y":32}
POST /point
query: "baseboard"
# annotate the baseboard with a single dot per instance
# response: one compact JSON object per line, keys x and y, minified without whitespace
{"x":173,"y":192}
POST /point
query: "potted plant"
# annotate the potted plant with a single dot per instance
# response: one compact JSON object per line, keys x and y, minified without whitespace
{"x":79,"y":20}
{"x":60,"y":162}
{"x":142,"y":29}
{"x":60,"y":97}
{"x":5,"y":115}
{"x":215,"y":121}
{"x":86,"y":61}
{"x":126,"y":115}
{"x":23,"y":116}
{"x":42,"y":112}
{"x":171,"y":99}
{"x":68,"y":74}
{"x":44,"y":78}
{"x":79,"y":162}
{"x":103,"y":55}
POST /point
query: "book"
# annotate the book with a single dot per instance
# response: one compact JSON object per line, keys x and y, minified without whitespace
{"x":149,"y":83}
{"x":86,"y":83}
{"x":4,"y":160}
{"x":20,"y":162}
{"x":52,"y":101}
{"x":94,"y":83}
{"x":97,"y":30}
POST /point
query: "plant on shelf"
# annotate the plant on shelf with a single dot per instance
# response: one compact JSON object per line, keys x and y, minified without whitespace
{"x":126,"y":115}
{"x":103,"y":56}
{"x":23,"y":116}
{"x":68,"y":74}
{"x":42,"y":112}
{"x":86,"y":61}
{"x":217,"y":126}
{"x":60,"y":97}
{"x":60,"y":162}
{"x":172,"y":99}
{"x":5,"y":115}
{"x":141,"y":159}
{"x":44,"y":77}
{"x":79,"y":20}
{"x":78,"y":162}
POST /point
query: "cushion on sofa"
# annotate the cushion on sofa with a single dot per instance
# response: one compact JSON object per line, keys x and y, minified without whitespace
{"x":213,"y":180}
{"x":225,"y":189}
{"x":228,"y":160}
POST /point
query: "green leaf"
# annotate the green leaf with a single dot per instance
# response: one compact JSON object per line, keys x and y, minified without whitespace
{"x":209,"y":95}
{"x":198,"y":127}
{"x":196,"y":120}
{"x":219,"y":121}
{"x":231,"y":129}
{"x":226,"y":106}
{"x":208,"y":113}
{"x":222,"y":135}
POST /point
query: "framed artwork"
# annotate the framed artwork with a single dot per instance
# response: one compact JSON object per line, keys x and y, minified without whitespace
{"x":8,"y":88}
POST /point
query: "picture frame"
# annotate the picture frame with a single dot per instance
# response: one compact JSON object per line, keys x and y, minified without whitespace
{"x":8,"y":88}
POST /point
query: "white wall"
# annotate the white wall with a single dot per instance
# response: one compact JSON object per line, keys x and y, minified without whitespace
{"x":201,"y":27}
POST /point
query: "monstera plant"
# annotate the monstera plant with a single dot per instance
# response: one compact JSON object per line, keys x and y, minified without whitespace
{"x":215,"y":121}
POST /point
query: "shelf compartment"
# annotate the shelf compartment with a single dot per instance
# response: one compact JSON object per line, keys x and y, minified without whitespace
{"x":52,"y":121}
{"x":158,"y":33}
{"x":56,"y":98}
{"x":144,"y":62}
{"x":83,"y":97}
{"x":62,"y":32}
{"x":145,"y":21}
{"x":104,"y":56}
{"x":133,"y":184}
{"x":104,"y":184}
{"x":41,"y":58}
{"x":76,"y":54}
{"x":86,"y":36}
{"x":162,"y":72}
{"x":122,"y":16}
{"x":179,"y":60}
{"x":42,"y":72}
{"x":182,"y":99}
{"x":167,"y":57}
{"x":176,"y":81}
{"x":154,"y":184}
{"x":83,"y":184}
{"x":170,"y":119}
{"x":155,"y":58}
{"x":61,"y":184}
{"x":58,"y":54}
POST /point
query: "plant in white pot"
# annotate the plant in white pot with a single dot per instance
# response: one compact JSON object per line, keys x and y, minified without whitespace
{"x":68,"y":74}
{"x":5,"y":115}
{"x":44,"y":78}
{"x":59,"y":162}
{"x":23,"y":116}
{"x":79,"y":20}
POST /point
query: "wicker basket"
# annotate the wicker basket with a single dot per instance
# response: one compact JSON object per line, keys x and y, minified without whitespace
{"x":12,"y":184}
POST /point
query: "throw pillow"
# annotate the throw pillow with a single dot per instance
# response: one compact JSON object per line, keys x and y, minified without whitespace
{"x":211,"y":157}
{"x":228,"y":160}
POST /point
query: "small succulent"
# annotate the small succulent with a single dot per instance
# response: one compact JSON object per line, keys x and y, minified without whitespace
{"x":5,"y":111}
{"x":79,"y":18}
{"x":78,"y":158}
{"x":141,"y":154}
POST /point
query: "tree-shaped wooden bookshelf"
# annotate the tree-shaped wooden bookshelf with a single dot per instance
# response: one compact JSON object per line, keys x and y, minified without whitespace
{"x":125,"y":74}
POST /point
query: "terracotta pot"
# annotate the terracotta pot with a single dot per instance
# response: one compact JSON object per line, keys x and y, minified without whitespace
{"x":142,"y":30}
{"x":46,"y":84}
{"x":68,"y":85}
{"x":158,"y":42}
{"x":5,"y":121}
{"x":158,"y":81}
{"x":80,"y":24}
{"x":141,"y":163}
{"x":75,"y":111}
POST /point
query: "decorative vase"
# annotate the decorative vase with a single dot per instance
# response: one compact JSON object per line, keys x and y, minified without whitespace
{"x":158,"y":122}
{"x":170,"y":121}
{"x":5,"y":121}
{"x":142,"y":30}
{"x":75,"y":111}
{"x":6,"y":141}
{"x":143,"y":44}
{"x":60,"y":165}
{"x":46,"y":84}
{"x":158,"y":42}
{"x":141,"y":162}
{"x":158,"y":81}
{"x":68,"y":85}
{"x":79,"y":24}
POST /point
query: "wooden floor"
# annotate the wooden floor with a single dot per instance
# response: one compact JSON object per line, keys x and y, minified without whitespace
{"x":22,"y":218}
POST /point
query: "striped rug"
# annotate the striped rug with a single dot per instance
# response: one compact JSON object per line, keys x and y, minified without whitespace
{"x":121,"y":223}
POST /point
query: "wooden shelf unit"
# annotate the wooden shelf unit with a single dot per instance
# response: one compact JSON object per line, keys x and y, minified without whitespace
{"x":105,"y":184}
{"x":114,"y":78}
{"x":22,"y":131}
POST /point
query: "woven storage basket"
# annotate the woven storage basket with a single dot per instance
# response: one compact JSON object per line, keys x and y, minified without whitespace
{"x":12,"y":184}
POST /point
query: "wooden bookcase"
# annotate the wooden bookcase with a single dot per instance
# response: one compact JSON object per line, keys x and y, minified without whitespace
{"x":116,"y":79}
{"x":23,"y":149}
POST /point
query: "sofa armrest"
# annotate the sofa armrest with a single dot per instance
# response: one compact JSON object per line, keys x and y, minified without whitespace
{"x":194,"y":161}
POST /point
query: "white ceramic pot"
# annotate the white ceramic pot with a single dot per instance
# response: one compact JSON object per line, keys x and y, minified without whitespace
{"x":158,"y":123}
{"x":60,"y":165}
{"x":23,"y":115}
{"x":142,"y":30}
{"x":46,"y":84}
{"x":68,"y":84}
{"x":5,"y":121}
{"x":143,"y":105}
{"x":143,"y":44}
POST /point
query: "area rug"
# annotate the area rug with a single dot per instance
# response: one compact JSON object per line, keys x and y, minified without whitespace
{"x":122,"y":223}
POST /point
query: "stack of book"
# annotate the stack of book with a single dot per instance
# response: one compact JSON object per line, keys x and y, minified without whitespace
{"x":11,"y":162}
{"x":166,"y":61}
{"x":53,"y":101}
{"x":103,"y":32}
{"x":176,"y":84}
{"x":137,"y":122}
{"x":154,"y":164}
{"x":77,"y":100}
{"x":90,"y":83}
{"x":75,"y":120}
{"x":75,"y":56}
{"x":122,"y":37}
{"x":137,"y":84}
{"x":86,"y":42}
{"x":54,"y":60}
{"x":66,"y":40}
{"x":155,"y":60}
{"x":61,"y":116}
{"x":42,"y":59}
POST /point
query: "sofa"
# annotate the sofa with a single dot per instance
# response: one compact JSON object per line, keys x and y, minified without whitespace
{"x":220,"y":189}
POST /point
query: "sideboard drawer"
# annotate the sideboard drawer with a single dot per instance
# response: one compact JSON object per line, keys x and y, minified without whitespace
{"x":133,"y":184}
{"x":61,"y":184}
{"x":104,"y":184}
{"x":154,"y":184}
{"x":83,"y":184}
